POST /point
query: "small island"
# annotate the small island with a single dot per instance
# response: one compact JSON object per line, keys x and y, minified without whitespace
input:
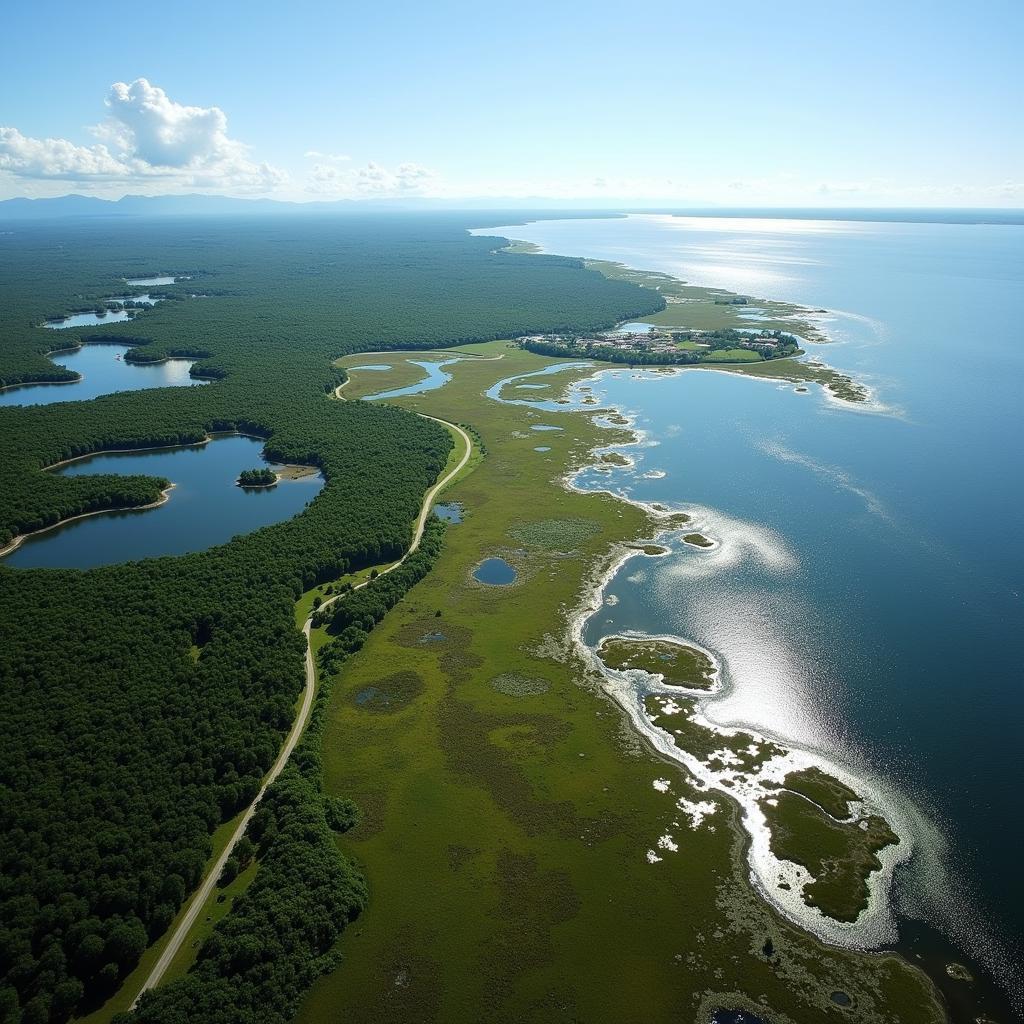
{"x":698,"y":540}
{"x":841,"y":854}
{"x":678,"y":664}
{"x":653,"y":550}
{"x":252,"y":478}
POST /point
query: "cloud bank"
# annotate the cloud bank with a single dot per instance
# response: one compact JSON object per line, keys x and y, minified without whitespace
{"x":146,"y":136}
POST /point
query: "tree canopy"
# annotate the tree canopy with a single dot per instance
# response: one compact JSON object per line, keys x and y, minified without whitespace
{"x":142,"y":703}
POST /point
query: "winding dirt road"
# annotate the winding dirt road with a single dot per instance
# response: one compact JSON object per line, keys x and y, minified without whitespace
{"x":201,"y":895}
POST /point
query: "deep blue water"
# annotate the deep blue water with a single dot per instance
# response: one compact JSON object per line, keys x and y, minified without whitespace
{"x":102,"y":373}
{"x":206,"y":507}
{"x":867,"y":596}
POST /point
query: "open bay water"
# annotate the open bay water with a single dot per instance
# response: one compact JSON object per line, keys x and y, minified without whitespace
{"x":866,"y":597}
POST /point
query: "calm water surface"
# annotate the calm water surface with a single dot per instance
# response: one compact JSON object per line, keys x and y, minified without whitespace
{"x":112,"y":316}
{"x":867,"y":596}
{"x":449,"y":511}
{"x":435,"y":378}
{"x":495,"y":572}
{"x":102,"y":374}
{"x":206,"y":507}
{"x":152,"y":282}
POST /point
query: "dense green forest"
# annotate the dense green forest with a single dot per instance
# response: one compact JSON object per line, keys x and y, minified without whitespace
{"x":261,"y":477}
{"x":141,"y":704}
{"x":279,"y":936}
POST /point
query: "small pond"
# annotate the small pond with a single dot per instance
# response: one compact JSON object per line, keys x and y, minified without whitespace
{"x":435,"y":378}
{"x":205,"y":507}
{"x":143,"y":299}
{"x":495,"y":572}
{"x":450,"y":512}
{"x":542,"y":448}
{"x":152,"y":282}
{"x":90,"y":319}
{"x":103,"y":371}
{"x":635,"y":327}
{"x":371,"y":366}
{"x":370,"y":694}
{"x":544,"y":426}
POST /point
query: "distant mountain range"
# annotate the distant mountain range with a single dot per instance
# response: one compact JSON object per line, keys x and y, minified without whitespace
{"x":208,"y":205}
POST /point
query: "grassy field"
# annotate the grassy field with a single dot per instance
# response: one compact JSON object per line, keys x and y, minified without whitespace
{"x":509,"y":812}
{"x":369,"y":382}
{"x":732,"y":355}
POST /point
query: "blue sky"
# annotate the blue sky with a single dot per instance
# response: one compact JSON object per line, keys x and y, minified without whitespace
{"x":737,"y":103}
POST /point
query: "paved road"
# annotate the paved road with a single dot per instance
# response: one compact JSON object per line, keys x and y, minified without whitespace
{"x":298,"y":726}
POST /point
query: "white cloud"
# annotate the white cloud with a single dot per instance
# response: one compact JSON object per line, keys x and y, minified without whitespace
{"x":334,"y":158}
{"x":147,"y":136}
{"x":406,"y":178}
{"x":54,"y":158}
{"x":330,"y":178}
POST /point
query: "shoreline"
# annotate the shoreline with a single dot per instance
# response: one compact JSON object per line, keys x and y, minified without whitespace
{"x":875,"y":925}
{"x":20,"y":538}
{"x":802,"y":321}
{"x":623,"y":755}
{"x":16,"y":542}
{"x":884,"y":918}
{"x":79,"y":377}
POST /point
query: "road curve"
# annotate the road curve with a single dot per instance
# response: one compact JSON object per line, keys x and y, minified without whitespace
{"x":201,"y":895}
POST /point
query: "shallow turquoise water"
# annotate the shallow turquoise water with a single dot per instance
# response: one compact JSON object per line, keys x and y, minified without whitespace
{"x":205,"y":508}
{"x":866,"y":599}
